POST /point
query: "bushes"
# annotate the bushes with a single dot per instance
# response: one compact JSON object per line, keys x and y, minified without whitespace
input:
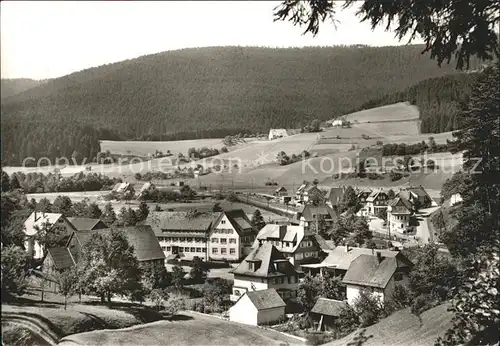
{"x":395,"y":176}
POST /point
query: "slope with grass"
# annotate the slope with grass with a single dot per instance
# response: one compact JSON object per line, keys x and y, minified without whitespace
{"x":404,"y":328}
{"x":14,"y":86}
{"x":187,"y":328}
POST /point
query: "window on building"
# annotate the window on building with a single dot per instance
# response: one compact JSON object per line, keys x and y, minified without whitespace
{"x":186,"y":249}
{"x":163,"y":248}
{"x":182,"y":239}
{"x":232,"y":241}
{"x":223,"y":251}
{"x":215,"y":240}
{"x":398,"y":276}
{"x":193,"y":249}
{"x":180,"y":249}
{"x":232,"y":251}
{"x":223,"y":240}
{"x":198,"y":249}
{"x":223,"y":222}
{"x":204,"y":250}
{"x":168,"y":248}
{"x":250,"y":265}
{"x":215,"y":250}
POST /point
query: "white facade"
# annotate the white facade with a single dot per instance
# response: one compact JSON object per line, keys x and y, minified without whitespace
{"x":277,"y":133}
{"x":224,"y":241}
{"x":244,"y":284}
{"x":455,"y":198}
{"x":245,"y":312}
{"x":384,"y":294}
{"x":338,"y":122}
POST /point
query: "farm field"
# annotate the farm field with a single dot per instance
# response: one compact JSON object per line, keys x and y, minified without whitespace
{"x":143,"y":148}
{"x":411,"y":127}
{"x":188,"y":329}
{"x":401,"y":111}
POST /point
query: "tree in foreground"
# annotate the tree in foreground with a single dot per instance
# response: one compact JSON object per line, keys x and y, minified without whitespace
{"x":450,"y":29}
{"x":199,"y":270}
{"x":67,"y":284}
{"x":109,"y":266}
{"x":51,"y":235}
{"x":350,"y":201}
{"x":14,"y":271}
{"x":178,"y":277}
{"x":109,"y":216}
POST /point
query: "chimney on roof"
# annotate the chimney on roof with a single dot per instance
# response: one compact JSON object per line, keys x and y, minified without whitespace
{"x":379,"y":256}
{"x":36,"y":216}
{"x":346,"y":247}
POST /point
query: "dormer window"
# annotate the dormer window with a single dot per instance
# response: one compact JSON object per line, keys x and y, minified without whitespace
{"x":223,"y":222}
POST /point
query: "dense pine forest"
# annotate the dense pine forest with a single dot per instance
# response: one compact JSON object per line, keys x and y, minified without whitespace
{"x":205,"y":92}
{"x":10,"y":87}
{"x":439,"y":100}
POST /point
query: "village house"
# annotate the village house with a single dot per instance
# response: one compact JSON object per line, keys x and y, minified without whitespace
{"x":312,"y":215}
{"x":35,"y":222}
{"x":455,"y":199}
{"x":277,"y":133}
{"x":399,"y":215}
{"x":417,"y":196}
{"x":326,"y":312}
{"x":208,"y":235}
{"x":280,"y":192}
{"x":308,"y":192}
{"x":122,"y":187}
{"x":141,"y":237}
{"x":340,"y":258}
{"x":265,"y":267}
{"x":377,"y":274}
{"x":338,"y":122}
{"x":363,"y":195}
{"x":376,"y":201}
{"x":146,"y":187}
{"x":334,"y":196}
{"x":86,"y":224}
{"x":258,"y":308}
{"x":296,"y":243}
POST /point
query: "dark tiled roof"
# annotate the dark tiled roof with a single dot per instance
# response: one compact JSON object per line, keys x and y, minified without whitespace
{"x":403,"y":201}
{"x":180,"y":221}
{"x":61,"y":257}
{"x":341,"y":257}
{"x":329,"y":307}
{"x":239,"y":220}
{"x":141,"y":237}
{"x":266,"y":299}
{"x":367,"y":270}
{"x":265,"y":255}
{"x":308,"y":210}
{"x":418,"y":190}
{"x":335,"y":194}
{"x":83,"y":223}
{"x":322,"y":243}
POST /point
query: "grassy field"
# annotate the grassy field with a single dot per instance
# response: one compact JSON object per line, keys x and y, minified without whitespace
{"x":186,"y":329}
{"x":143,"y":148}
{"x":404,"y":328}
{"x":395,"y":112}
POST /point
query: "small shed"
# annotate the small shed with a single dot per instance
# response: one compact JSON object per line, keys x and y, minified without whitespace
{"x":325,"y":312}
{"x":258,"y":308}
{"x":281,"y":191}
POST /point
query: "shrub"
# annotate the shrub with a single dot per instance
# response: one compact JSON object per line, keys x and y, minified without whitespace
{"x":395,"y":176}
{"x":380,"y":143}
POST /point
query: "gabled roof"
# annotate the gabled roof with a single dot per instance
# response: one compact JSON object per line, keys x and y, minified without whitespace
{"x":181,"y":221}
{"x":323,"y":244}
{"x":37,"y":219}
{"x":83,"y":223}
{"x":265,"y":255}
{"x":364,"y":191}
{"x":279,"y":189}
{"x":121,"y":187}
{"x":141,"y":237}
{"x":265,"y":299}
{"x":290,"y":233}
{"x":368,"y":270}
{"x":146,"y":186}
{"x":328,"y":307}
{"x":419,"y":191}
{"x":309,"y":210}
{"x":373,"y":196}
{"x":239,"y":219}
{"x":61,"y":257}
{"x":401,"y":201}
{"x":341,"y":257}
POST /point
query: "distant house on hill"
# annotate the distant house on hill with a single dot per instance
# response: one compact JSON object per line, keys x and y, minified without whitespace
{"x":148,"y":186}
{"x":281,"y":191}
{"x":417,"y":196}
{"x":277,"y":133}
{"x":122,"y":187}
{"x":338,"y":122}
{"x":258,"y":307}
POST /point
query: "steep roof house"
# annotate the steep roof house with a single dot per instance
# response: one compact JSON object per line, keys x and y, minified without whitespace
{"x":265,"y":267}
{"x":298,"y":244}
{"x":399,"y":214}
{"x":377,"y":200}
{"x":86,"y":224}
{"x":35,"y":221}
{"x":377,"y":273}
{"x":258,"y":307}
{"x":141,"y":237}
{"x":308,"y":192}
{"x":335,"y":195}
{"x":417,"y":196}
{"x":311,"y":214}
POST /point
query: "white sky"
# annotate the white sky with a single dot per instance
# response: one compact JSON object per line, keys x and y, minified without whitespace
{"x":51,"y":39}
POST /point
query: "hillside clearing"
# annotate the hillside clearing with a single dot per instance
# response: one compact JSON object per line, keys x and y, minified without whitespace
{"x":187,"y":329}
{"x":404,"y":328}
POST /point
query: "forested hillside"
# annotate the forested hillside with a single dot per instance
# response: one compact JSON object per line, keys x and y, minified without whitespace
{"x":438,"y":99}
{"x":17,"y":85}
{"x":198,"y":92}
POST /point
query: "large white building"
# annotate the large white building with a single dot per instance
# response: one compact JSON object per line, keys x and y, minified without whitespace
{"x":277,"y":133}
